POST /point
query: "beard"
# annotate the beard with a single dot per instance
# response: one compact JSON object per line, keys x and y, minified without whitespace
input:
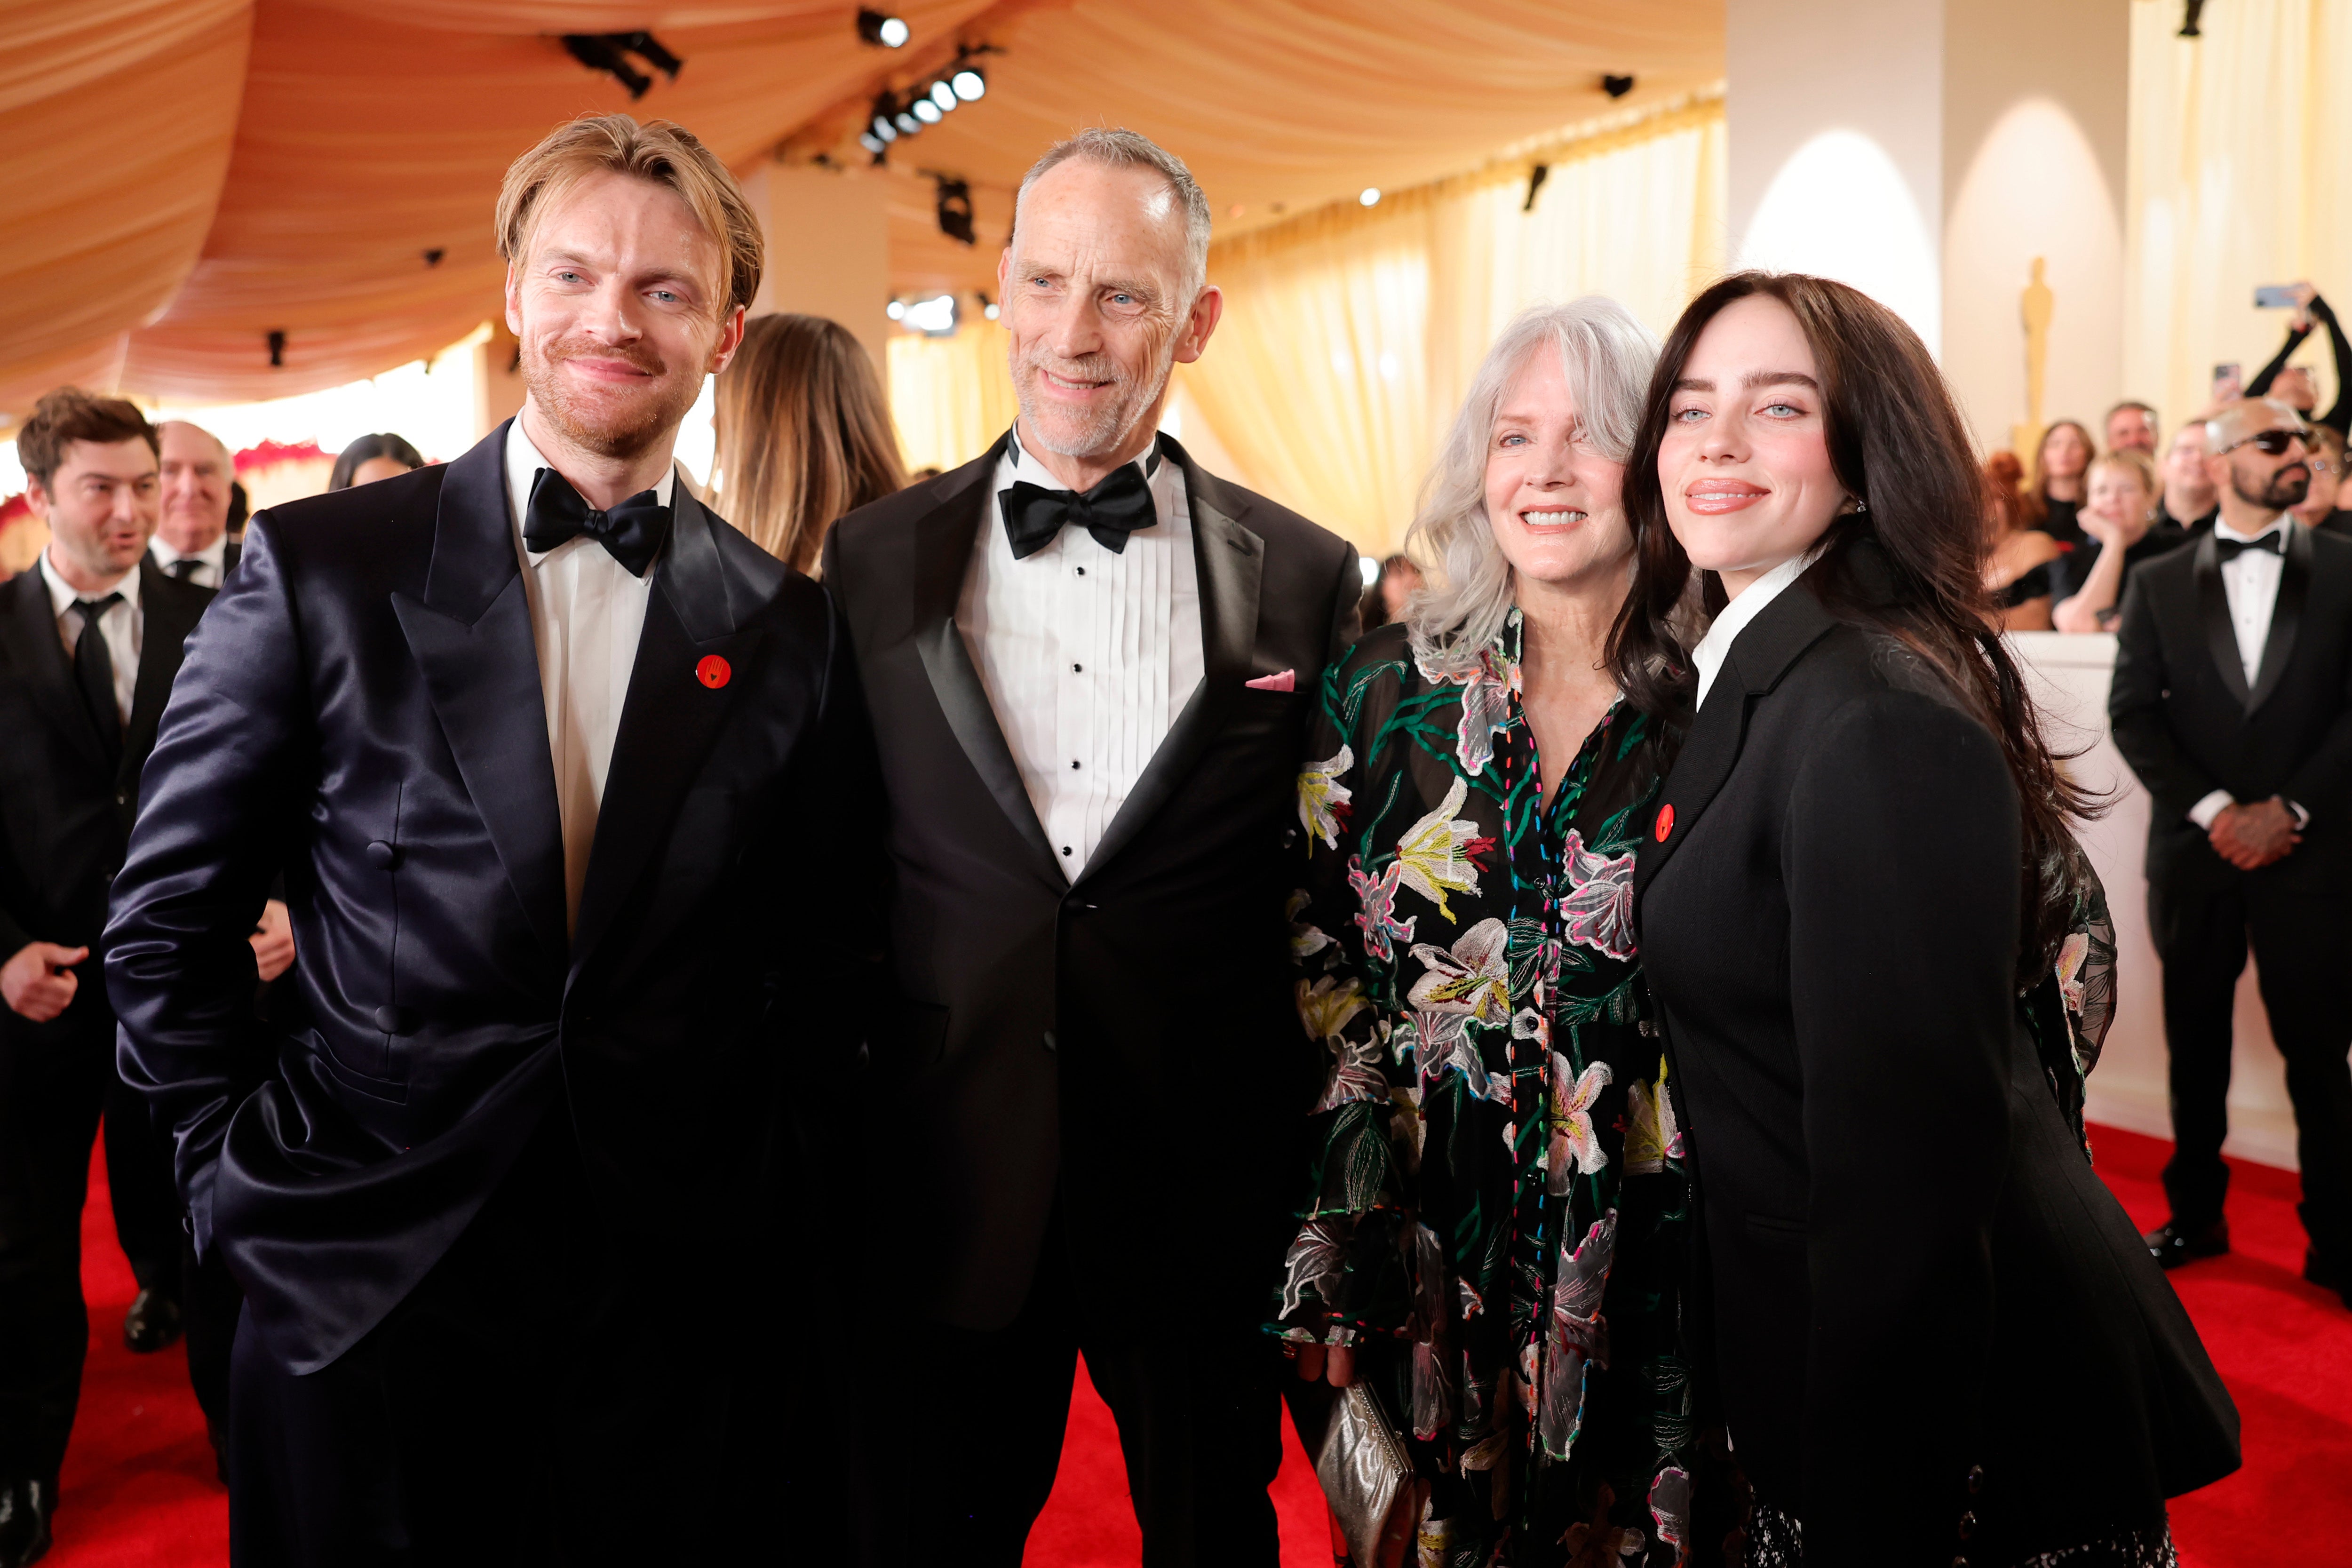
{"x":621,"y":422}
{"x":1091,"y":435}
{"x":2280,"y":491}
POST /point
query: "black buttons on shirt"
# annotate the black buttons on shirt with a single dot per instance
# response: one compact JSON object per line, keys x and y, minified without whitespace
{"x":1081,"y":570}
{"x":1073,"y":765}
{"x":382,"y":855}
{"x":1065,"y":851}
{"x":1078,"y":670}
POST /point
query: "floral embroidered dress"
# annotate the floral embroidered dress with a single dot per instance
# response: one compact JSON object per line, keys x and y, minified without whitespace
{"x":1499,"y":1216}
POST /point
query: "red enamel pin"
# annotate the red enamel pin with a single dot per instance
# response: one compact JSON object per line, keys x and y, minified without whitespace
{"x":713,"y":672}
{"x":1666,"y":821}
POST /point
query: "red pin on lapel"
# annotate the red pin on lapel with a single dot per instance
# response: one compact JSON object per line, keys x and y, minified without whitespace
{"x":713,"y":672}
{"x":1666,"y":821}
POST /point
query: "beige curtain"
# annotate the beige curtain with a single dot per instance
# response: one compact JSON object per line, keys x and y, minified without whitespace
{"x":951,"y":397}
{"x":2241,"y":175}
{"x":1351,"y":334}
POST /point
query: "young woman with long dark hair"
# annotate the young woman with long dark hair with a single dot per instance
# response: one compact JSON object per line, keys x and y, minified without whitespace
{"x":1883,"y":965}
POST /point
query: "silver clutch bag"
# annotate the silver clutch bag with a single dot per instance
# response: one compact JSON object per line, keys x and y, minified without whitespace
{"x":1359,"y":1457}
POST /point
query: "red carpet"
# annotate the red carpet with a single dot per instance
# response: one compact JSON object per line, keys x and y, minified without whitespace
{"x":137,"y":1490}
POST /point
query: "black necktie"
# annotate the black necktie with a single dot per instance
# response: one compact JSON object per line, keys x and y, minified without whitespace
{"x":2230,"y":549}
{"x":632,"y":531}
{"x":94,"y":673}
{"x":185,"y":567}
{"x":1110,"y":511}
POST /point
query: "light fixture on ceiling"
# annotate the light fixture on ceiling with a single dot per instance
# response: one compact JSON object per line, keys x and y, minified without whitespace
{"x":2193,"y":11}
{"x":934,"y":318}
{"x":610,"y":52}
{"x":955,"y":208}
{"x":924,"y":109}
{"x":987,"y":305}
{"x":895,"y":310}
{"x":1369,"y":197}
{"x":968,"y":83}
{"x":1616,"y":85}
{"x":886,"y":31}
{"x":944,"y":96}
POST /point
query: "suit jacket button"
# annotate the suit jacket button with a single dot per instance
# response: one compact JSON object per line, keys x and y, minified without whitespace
{"x":383,"y":857}
{"x":1976,"y":1479}
{"x":1968,"y":1525}
{"x":122,"y":797}
{"x":395,"y":1020}
{"x":1048,"y":1040}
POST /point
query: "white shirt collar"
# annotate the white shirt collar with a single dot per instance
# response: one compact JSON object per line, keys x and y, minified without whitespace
{"x":523,"y":463}
{"x":1017,"y":458}
{"x":1716,"y":646}
{"x":214,"y":554}
{"x":2284,"y":520}
{"x":62,"y":596}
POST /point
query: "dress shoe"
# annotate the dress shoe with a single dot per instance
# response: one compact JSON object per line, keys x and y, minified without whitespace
{"x":2173,"y":1244}
{"x":152,"y":1324}
{"x":2322,"y":1270}
{"x":24,"y":1508}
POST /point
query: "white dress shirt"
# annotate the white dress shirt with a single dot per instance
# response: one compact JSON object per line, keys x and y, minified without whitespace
{"x":124,"y":627}
{"x":586,"y":616}
{"x":2250,"y":584}
{"x":1086,"y":655}
{"x":1715,"y":646}
{"x":212,"y":561}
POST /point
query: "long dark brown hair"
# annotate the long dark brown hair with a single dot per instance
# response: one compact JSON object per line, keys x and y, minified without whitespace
{"x":1911,"y":565}
{"x":804,"y":434}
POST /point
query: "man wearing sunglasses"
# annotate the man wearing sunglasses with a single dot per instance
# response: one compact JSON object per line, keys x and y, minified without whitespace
{"x":2232,"y":701}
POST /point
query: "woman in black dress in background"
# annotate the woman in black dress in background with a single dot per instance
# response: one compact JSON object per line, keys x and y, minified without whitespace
{"x":1880,"y":960}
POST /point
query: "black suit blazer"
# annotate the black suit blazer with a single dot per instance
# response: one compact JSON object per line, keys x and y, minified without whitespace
{"x":65,"y":816}
{"x":2185,"y":718}
{"x":1914,"y":1273}
{"x":1130,"y":1035}
{"x":362,"y":705}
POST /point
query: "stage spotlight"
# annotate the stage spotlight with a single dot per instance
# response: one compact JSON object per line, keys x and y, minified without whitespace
{"x":987,"y":305}
{"x":609,"y":52}
{"x":944,"y":96}
{"x":871,"y":142}
{"x":969,"y":84}
{"x":873,"y":27}
{"x":955,"y":209}
{"x":908,"y":124}
{"x":649,"y":48}
{"x":934,"y":318}
{"x":1369,"y":196}
{"x":885,"y":106}
{"x":1616,"y":85}
{"x":926,"y":111}
{"x":895,"y":310}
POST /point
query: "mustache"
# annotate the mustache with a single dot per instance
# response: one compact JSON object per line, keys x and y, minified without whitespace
{"x":1088,"y":367}
{"x":637,"y":355}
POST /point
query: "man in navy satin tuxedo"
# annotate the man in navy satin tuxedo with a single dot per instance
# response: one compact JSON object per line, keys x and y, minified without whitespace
{"x":560,"y":768}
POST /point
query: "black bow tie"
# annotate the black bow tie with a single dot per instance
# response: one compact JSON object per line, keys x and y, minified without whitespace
{"x":1110,"y":511}
{"x":632,"y":532}
{"x":2230,"y":549}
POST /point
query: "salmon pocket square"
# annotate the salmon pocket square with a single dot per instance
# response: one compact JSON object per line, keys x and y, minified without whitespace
{"x":1286,"y":681}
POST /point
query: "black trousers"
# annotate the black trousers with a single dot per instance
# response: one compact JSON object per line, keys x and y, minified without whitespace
{"x":140,"y":1188}
{"x":53,"y":1080}
{"x":955,"y":1464}
{"x":2302,"y":948}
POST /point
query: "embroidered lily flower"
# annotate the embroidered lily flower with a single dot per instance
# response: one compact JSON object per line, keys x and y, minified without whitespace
{"x":1322,"y":798}
{"x":2071,"y":957}
{"x":1355,"y":1074}
{"x":1326,"y":1006}
{"x":1431,"y":856}
{"x":1651,"y":1136}
{"x":1313,"y":1261}
{"x":1598,"y":912}
{"x":1574,"y":1144}
{"x":1487,"y":689}
{"x":1578,"y":1337}
{"x":1305,"y":941}
{"x":1474,"y":978}
{"x":1376,"y":909}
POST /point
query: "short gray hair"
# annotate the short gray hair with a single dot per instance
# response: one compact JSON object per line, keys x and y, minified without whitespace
{"x":1607,"y":356}
{"x":1114,"y":147}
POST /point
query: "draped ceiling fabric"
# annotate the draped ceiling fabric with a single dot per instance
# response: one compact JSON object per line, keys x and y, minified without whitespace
{"x":185,"y":201}
{"x":2241,"y":175}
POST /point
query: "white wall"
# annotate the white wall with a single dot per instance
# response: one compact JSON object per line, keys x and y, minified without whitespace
{"x":828,"y":249}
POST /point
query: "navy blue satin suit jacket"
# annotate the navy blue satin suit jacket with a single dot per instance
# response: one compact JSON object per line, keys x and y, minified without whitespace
{"x":362,"y":707}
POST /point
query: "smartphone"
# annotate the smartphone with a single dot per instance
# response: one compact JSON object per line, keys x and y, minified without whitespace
{"x":2275,"y":296}
{"x":2229,"y":380}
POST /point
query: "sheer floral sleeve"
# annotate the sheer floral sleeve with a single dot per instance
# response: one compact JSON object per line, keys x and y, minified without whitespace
{"x":2070,"y":1011}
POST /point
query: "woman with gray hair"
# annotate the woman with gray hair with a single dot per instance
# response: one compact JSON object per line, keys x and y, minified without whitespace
{"x":1494,"y":1245}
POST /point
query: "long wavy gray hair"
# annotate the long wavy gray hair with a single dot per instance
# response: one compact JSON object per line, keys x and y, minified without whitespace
{"x":1608,"y":356}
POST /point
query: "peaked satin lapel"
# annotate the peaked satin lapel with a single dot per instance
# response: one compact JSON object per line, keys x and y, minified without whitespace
{"x":943,"y":550}
{"x":669,"y":720}
{"x":1754,"y":664}
{"x":172,"y":611}
{"x":2213,"y":613}
{"x":1231,"y":565}
{"x":41,"y":659}
{"x":2287,"y":617}
{"x":471,"y":636}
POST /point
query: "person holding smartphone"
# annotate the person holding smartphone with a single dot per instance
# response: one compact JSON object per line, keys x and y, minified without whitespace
{"x":2292,"y":384}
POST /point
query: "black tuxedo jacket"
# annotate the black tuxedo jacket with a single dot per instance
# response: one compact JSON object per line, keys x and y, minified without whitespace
{"x":2185,"y":718}
{"x":1914,"y":1272}
{"x":362,"y":705}
{"x":65,"y":816}
{"x":1130,"y":1035}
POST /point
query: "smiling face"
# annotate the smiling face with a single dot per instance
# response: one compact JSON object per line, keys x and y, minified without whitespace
{"x":2118,"y":497}
{"x":100,"y":507}
{"x":1099,"y":306}
{"x":2131,"y":428}
{"x":198,"y":471}
{"x":1555,"y":504}
{"x":621,"y":311}
{"x":1745,"y":461}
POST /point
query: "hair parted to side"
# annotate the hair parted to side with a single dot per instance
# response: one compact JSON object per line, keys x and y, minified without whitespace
{"x":1911,"y":566}
{"x":1607,"y":355}
{"x":381,"y":443}
{"x":1116,"y":148}
{"x":68,"y":414}
{"x":658,"y":150}
{"x":804,"y":434}
{"x":2037,"y":485}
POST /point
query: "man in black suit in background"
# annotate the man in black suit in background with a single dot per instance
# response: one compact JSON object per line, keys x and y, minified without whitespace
{"x":559,"y":769}
{"x":1090,"y":662}
{"x":89,"y":640}
{"x":2232,"y":701}
{"x":191,"y":540}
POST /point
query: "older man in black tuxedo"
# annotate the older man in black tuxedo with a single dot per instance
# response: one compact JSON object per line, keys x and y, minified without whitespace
{"x":1090,"y":662}
{"x":2232,"y":701}
{"x":556,"y":763}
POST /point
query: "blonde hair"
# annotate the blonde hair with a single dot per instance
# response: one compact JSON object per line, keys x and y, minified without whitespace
{"x":659,"y":151}
{"x":804,"y":434}
{"x":2140,"y":464}
{"x":1607,"y":357}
